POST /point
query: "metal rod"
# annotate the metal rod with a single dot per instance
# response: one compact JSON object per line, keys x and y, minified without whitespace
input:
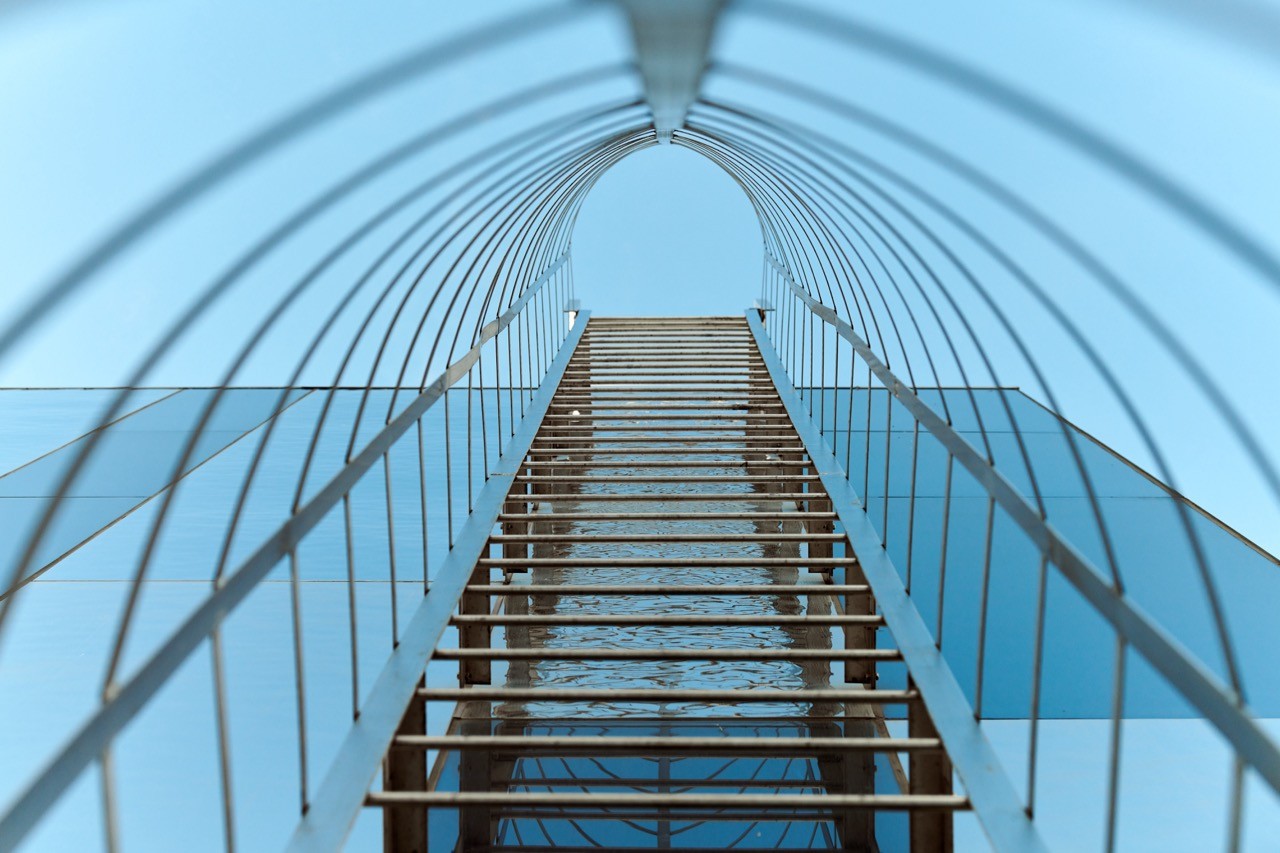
{"x":554,"y":517}
{"x":656,"y":589}
{"x":658,"y":432}
{"x":677,"y":441}
{"x":755,"y":802}
{"x":668,"y":537}
{"x":670,"y":562}
{"x":625,"y":745}
{"x":559,"y":448}
{"x":689,"y":406}
{"x":705,"y":497}
{"x":353,"y":634}
{"x":672,"y":478}
{"x":666,"y":653}
{"x":641,"y":415}
{"x":664,"y":695}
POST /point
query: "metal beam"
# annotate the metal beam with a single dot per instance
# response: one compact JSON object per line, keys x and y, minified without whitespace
{"x":663,"y":653}
{"x":671,"y":39}
{"x":682,"y":589}
{"x":667,"y":695}
{"x":644,"y":745}
{"x":761,"y":805}
{"x":997,"y":804}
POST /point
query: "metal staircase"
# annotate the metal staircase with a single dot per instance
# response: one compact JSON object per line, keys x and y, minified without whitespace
{"x":668,"y":645}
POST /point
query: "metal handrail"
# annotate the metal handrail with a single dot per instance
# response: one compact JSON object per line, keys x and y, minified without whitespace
{"x":843,"y":232}
{"x":1214,"y":699}
{"x":119,"y":709}
{"x":995,"y":801}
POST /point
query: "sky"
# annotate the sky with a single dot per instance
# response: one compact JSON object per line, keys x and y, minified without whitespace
{"x":105,"y":104}
{"x":667,"y":232}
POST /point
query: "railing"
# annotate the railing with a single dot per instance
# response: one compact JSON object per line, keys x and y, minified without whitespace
{"x":517,"y":348}
{"x":1043,"y":590}
{"x":408,"y":355}
{"x":1165,"y":647}
{"x":864,"y":266}
{"x":905,"y":283}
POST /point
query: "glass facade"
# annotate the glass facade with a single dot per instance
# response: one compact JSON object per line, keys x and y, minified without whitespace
{"x":64,"y":620}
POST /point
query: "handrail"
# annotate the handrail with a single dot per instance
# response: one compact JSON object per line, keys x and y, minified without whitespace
{"x":986,"y":783}
{"x":341,"y":794}
{"x":116,"y":712}
{"x":1194,"y":682}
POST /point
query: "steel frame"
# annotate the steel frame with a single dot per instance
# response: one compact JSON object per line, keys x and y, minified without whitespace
{"x":1219,"y":704}
{"x":995,"y":801}
{"x":851,"y":615}
{"x":342,"y":792}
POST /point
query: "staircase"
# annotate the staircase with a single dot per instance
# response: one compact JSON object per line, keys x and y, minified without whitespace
{"x":668,"y":646}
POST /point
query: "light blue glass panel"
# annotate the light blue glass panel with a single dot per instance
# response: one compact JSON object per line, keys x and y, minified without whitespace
{"x":133,"y":460}
{"x":167,"y":775}
{"x":36,"y":421}
{"x":1152,"y":548}
{"x":136,"y":456}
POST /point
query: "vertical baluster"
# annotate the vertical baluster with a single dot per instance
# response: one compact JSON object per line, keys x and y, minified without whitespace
{"x":484,"y":421}
{"x":1037,"y":680}
{"x":223,"y":739}
{"x":789,"y":337}
{"x":448,"y":470}
{"x":835,"y":390}
{"x":511,"y":383}
{"x":942,"y":559}
{"x":866,"y":446}
{"x":531,"y":349}
{"x":888,"y":457}
{"x":497,"y":390}
{"x":548,"y":349}
{"x":299,"y":682}
{"x":391,"y":548}
{"x":982,"y":609}
{"x":822,"y":376}
{"x":470,"y":454}
{"x":540,"y":328}
{"x":523,"y":351}
{"x":1117,"y":725}
{"x":351,"y":606}
{"x":848,"y":439}
{"x":911,"y":503}
{"x":1235,"y":809}
{"x":110,"y":808}
{"x":422,"y":496}
{"x":809,"y":336}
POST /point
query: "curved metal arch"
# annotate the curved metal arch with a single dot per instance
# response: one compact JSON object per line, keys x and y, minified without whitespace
{"x":956,"y":74}
{"x":791,"y":178}
{"x":1027,"y":282}
{"x":266,"y":140}
{"x":110,"y":692}
{"x":1228,"y":653}
{"x":168,"y":497}
{"x":943,"y":328}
